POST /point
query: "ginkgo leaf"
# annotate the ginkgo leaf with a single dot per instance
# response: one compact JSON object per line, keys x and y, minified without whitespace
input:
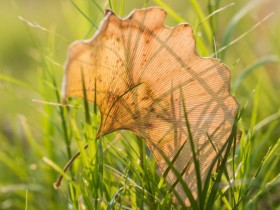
{"x":138,"y":69}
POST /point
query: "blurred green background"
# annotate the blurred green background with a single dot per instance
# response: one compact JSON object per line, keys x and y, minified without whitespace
{"x":34,"y":36}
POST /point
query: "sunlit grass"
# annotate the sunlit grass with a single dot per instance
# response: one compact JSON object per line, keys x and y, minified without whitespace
{"x":117,"y":171}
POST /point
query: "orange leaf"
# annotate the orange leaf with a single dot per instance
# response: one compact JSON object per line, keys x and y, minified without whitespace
{"x":139,"y":68}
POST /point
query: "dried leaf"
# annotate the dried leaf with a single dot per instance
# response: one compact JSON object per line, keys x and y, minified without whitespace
{"x":139,"y":68}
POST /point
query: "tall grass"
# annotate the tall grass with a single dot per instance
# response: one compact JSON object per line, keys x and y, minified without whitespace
{"x":117,"y":171}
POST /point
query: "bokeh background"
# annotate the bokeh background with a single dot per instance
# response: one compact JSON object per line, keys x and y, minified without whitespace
{"x":34,"y":36}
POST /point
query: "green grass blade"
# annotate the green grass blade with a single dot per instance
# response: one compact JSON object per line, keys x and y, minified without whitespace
{"x":84,"y":15}
{"x":266,"y":121}
{"x":63,"y":118}
{"x":9,"y":162}
{"x":256,"y":105}
{"x":227,"y":148}
{"x":100,"y":9}
{"x":194,"y":151}
{"x":146,"y":3}
{"x":57,"y":168}
{"x":179,"y":178}
{"x":121,"y":8}
{"x":173,"y":160}
{"x":222,"y":49}
{"x":234,"y":22}
{"x":254,"y":178}
{"x":26,"y":200}
{"x":110,"y":4}
{"x":111,"y":204}
{"x":17,"y":82}
{"x":86,"y":105}
{"x":273,"y":152}
{"x":170,"y":11}
{"x":273,"y":183}
{"x":29,"y":137}
{"x":100,"y":168}
{"x":202,"y":18}
{"x":253,"y":67}
{"x":218,"y":11}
